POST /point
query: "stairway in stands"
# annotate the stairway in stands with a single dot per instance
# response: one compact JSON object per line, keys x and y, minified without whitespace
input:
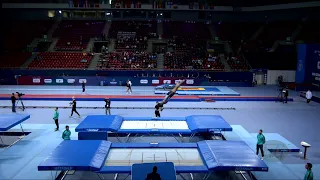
{"x":94,"y":62}
{"x":160,"y":29}
{"x":160,"y":62}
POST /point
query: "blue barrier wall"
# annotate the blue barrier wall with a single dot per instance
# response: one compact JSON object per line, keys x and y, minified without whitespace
{"x":94,"y":78}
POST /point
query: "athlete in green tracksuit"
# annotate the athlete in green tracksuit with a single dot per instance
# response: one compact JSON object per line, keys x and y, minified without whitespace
{"x":309,"y":173}
{"x":66,"y":134}
{"x":261,"y":140}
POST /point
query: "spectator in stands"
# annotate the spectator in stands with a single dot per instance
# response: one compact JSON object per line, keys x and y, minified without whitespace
{"x":261,"y":140}
{"x":66,"y":134}
{"x":154,"y":175}
{"x":309,"y":173}
{"x":56,"y":118}
{"x":308,"y":96}
{"x":13,"y":100}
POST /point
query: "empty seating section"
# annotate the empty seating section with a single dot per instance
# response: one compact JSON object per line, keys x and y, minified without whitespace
{"x":309,"y":32}
{"x":132,"y":35}
{"x":61,"y":60}
{"x":189,"y":61}
{"x":18,"y":34}
{"x":13,"y":59}
{"x":75,"y":35}
{"x":276,"y":31}
{"x":186,"y":30}
{"x":128,"y":60}
{"x":272,"y":60}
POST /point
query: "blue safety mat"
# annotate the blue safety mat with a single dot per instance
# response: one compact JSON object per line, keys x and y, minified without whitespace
{"x":7,"y":121}
{"x":77,"y":155}
{"x":100,"y":123}
{"x":276,"y":143}
{"x":203,"y":123}
{"x":230,"y":155}
{"x":165,"y":171}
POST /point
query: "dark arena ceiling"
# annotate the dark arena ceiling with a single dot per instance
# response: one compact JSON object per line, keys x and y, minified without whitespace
{"x":243,"y":3}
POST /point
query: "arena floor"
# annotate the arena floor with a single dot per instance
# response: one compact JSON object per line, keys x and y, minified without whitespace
{"x":296,"y":121}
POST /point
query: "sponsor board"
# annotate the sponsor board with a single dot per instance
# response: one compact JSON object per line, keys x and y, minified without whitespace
{"x":176,"y":81}
{"x":166,"y":81}
{"x":47,"y":80}
{"x":143,"y":81}
{"x":189,"y":81}
{"x":59,"y":81}
{"x":155,"y":81}
{"x":113,"y":82}
{"x":82,"y":80}
{"x":71,"y":81}
{"x":36,"y":80}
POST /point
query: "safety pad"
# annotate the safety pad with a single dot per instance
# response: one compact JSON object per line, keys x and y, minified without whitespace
{"x":86,"y":155}
{"x":205,"y":123}
{"x":230,"y":156}
{"x":8,"y":121}
{"x":95,"y":123}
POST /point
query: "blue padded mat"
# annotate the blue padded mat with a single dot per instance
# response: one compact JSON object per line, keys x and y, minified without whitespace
{"x":230,"y":155}
{"x":7,"y":121}
{"x":91,"y":156}
{"x":276,"y":143}
{"x":100,"y":123}
{"x":201,"y":123}
{"x":77,"y":155}
{"x":166,"y":170}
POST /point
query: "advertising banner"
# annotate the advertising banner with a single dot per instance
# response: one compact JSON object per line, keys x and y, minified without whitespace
{"x":47,"y":81}
{"x":308,"y":67}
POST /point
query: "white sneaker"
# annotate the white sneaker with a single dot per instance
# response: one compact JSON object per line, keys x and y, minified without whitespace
{"x":262,"y":158}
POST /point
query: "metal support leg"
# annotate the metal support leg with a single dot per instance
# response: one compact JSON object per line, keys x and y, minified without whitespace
{"x":182,"y":177}
{"x":128,"y":138}
{"x":191,"y":176}
{"x":206,"y":176}
{"x":115,"y":176}
{"x":22,"y":130}
{"x":177,"y":139}
{"x":117,"y":136}
{"x":100,"y":177}
{"x":126,"y":176}
{"x":181,"y":137}
{"x":1,"y":141}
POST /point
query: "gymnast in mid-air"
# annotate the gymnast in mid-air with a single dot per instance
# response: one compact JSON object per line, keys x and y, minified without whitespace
{"x":170,"y":94}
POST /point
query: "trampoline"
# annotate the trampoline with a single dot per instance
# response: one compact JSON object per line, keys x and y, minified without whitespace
{"x":96,"y":127}
{"x":8,"y":121}
{"x":217,"y":91}
{"x":104,"y":157}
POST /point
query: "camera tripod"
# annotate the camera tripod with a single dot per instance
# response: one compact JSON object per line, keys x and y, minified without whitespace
{"x":280,"y":95}
{"x":22,"y":105}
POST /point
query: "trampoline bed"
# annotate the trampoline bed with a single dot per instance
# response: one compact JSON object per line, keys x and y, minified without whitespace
{"x":96,"y":127}
{"x":112,"y":158}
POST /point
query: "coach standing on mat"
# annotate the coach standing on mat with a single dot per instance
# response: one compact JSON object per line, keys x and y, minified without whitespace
{"x":261,"y":140}
{"x":309,"y":173}
{"x":56,"y":118}
{"x":66,"y":134}
{"x":74,"y":107}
